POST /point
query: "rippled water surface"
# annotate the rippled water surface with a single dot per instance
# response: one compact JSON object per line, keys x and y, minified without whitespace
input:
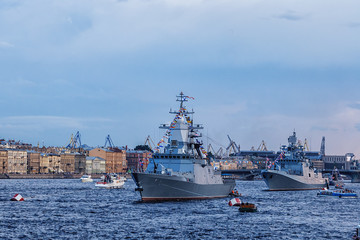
{"x":69,"y":209}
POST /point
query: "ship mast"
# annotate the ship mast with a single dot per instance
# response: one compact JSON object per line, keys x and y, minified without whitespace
{"x":182,"y":133}
{"x":182,"y":111}
{"x":182,"y":99}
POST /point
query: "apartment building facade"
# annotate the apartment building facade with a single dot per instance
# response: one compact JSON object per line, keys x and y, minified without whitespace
{"x":115,"y":159}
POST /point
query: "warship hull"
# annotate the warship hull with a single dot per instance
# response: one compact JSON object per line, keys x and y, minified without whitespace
{"x":160,"y":187}
{"x":282,"y":181}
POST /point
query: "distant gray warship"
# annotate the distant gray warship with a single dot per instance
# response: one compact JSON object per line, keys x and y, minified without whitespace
{"x":181,"y":170}
{"x":292,"y":171}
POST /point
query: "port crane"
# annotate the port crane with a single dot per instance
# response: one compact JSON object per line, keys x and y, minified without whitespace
{"x":109,"y":141}
{"x":75,"y":140}
{"x":232,"y":147}
{"x":220,"y":153}
{"x":210,"y":149}
{"x":306,"y":145}
{"x":262,"y":146}
{"x":150,"y":143}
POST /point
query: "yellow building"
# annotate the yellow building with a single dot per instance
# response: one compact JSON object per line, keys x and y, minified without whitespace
{"x":33,"y":162}
{"x":17,"y":161}
{"x":72,"y":162}
{"x":54,"y":163}
{"x":3,"y":161}
{"x":44,"y":163}
{"x":115,"y":159}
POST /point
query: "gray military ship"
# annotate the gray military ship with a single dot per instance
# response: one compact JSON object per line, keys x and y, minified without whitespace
{"x":180,"y":169}
{"x":292,"y":171}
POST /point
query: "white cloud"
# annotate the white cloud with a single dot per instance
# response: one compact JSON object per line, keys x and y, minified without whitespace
{"x":341,"y":129}
{"x":40,"y":123}
{"x":292,"y":16}
{"x":4,"y":44}
{"x":235,"y":32}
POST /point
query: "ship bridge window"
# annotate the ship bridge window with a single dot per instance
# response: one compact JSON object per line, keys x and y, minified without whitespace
{"x":166,"y":156}
{"x":174,"y":143}
{"x":162,"y":156}
{"x":177,"y":156}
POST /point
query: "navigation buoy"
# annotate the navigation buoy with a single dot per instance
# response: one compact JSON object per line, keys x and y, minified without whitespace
{"x":17,"y":197}
{"x":234,"y":202}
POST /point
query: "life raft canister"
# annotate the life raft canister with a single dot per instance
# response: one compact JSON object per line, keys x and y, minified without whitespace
{"x":234,"y":202}
{"x":17,"y":197}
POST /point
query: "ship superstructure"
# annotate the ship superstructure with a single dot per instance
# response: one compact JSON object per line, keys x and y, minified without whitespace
{"x":180,"y":168}
{"x":292,"y":171}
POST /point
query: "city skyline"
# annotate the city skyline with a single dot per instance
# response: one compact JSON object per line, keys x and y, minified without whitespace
{"x":257,"y":71}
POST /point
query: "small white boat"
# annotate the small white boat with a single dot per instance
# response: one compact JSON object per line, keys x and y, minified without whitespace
{"x":113,"y":176}
{"x":109,"y":182}
{"x":86,"y":178}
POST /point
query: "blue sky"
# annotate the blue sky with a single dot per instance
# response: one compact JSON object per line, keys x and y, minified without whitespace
{"x":257,"y":70}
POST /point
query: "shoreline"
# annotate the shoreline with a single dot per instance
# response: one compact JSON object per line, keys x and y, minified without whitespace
{"x":50,"y":176}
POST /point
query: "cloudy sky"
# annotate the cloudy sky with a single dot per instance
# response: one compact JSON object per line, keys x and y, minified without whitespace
{"x":257,"y":70}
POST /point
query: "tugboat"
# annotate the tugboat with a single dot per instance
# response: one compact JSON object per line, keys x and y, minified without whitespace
{"x":247,"y":207}
{"x":292,"y":171}
{"x":181,"y":170}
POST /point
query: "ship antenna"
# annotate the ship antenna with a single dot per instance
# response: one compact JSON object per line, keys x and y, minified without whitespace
{"x":181,"y":99}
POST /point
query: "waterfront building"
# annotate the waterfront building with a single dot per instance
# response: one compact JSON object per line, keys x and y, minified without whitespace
{"x":54,"y":162}
{"x":234,"y":163}
{"x":115,"y":159}
{"x":318,"y":164}
{"x":3,"y":161}
{"x":225,"y":165}
{"x":17,"y":161}
{"x":44,"y":163}
{"x":341,"y":162}
{"x":138,"y":160}
{"x":72,"y":162}
{"x":33,"y":162}
{"x":95,"y":165}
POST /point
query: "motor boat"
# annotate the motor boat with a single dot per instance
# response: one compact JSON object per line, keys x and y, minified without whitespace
{"x":338,"y":193}
{"x":86,"y":178}
{"x":110,"y":182}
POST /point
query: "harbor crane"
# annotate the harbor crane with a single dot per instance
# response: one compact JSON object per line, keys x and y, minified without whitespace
{"x":75,"y":141}
{"x":109,"y":141}
{"x":210,"y":149}
{"x":262,"y":146}
{"x":232,"y":147}
{"x":306,"y":145}
{"x":219,"y":153}
{"x":150,"y":143}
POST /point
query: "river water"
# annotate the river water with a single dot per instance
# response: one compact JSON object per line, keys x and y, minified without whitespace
{"x":69,"y":209}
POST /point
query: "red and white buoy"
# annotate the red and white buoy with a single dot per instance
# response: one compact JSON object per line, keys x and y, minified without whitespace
{"x":234,"y":202}
{"x":17,"y":197}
